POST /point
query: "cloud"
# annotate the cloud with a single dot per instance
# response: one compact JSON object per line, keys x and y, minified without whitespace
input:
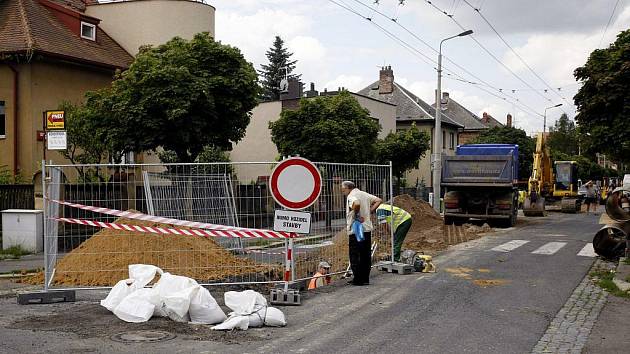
{"x":516,"y":17}
{"x":351,"y":82}
{"x":254,"y":33}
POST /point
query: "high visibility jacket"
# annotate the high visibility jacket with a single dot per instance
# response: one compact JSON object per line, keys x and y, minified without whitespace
{"x":317,"y":282}
{"x":384,"y":215}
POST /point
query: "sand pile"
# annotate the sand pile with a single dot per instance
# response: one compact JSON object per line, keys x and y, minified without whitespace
{"x":427,"y":228}
{"x":102,"y":260}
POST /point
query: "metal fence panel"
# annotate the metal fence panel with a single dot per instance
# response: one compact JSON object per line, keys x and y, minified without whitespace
{"x":80,"y":255}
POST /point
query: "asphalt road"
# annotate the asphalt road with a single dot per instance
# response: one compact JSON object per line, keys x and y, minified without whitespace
{"x":480,"y":301}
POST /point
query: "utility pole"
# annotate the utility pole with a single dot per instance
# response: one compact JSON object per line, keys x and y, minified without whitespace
{"x":436,"y":156}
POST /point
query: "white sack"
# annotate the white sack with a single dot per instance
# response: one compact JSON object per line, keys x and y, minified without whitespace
{"x":240,"y":322}
{"x":168,"y":285}
{"x":176,"y":304}
{"x":274,"y":317}
{"x":267,"y":316}
{"x":204,"y":308}
{"x":244,"y":302}
{"x":143,"y":274}
{"x":118,"y":293}
{"x":134,"y":308}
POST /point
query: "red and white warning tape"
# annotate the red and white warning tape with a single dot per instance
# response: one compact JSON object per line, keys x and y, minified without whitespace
{"x":168,"y":231}
{"x":258,"y":233}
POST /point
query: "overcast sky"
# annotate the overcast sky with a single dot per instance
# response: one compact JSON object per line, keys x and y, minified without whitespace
{"x":337,"y":48}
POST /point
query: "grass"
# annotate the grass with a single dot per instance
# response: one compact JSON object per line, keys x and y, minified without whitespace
{"x":605,"y":281}
{"x":14,"y":252}
{"x":627,"y":261}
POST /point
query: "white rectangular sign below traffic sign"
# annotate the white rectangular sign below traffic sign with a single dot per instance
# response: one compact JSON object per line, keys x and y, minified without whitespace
{"x":57,"y":140}
{"x":292,"y":221}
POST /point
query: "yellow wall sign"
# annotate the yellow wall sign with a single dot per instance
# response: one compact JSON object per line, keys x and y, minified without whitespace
{"x":55,"y":120}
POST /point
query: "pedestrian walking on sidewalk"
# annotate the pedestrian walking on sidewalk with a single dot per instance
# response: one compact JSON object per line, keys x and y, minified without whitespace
{"x":591,"y":197}
{"x":400,"y":222}
{"x":359,"y":205}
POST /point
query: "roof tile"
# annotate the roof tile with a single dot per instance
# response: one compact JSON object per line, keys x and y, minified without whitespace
{"x":27,"y":26}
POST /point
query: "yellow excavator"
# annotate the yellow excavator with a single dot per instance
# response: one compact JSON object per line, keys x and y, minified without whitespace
{"x":543,"y":185}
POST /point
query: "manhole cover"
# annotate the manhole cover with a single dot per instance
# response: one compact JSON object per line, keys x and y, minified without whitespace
{"x":142,"y":336}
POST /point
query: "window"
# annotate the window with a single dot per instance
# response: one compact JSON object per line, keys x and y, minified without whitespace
{"x":452,"y":141}
{"x":88,"y":31}
{"x":3,"y":126}
{"x":443,"y":139}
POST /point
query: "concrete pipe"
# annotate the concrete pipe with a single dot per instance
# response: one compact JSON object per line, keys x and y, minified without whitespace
{"x":610,"y":240}
{"x":618,"y":205}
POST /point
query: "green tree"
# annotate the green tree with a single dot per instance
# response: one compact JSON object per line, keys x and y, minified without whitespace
{"x":279,"y":58}
{"x":563,"y":136}
{"x":329,"y":129}
{"x":181,"y":96}
{"x":511,"y":135}
{"x":85,"y":144}
{"x":404,"y":149}
{"x":602,"y":100}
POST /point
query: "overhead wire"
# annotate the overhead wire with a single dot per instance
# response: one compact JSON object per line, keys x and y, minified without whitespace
{"x":608,"y":23}
{"x":478,"y":11}
{"x":480,"y":82}
{"x":488,"y":51}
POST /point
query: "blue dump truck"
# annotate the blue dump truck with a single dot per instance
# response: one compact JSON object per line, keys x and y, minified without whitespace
{"x":480,"y":182}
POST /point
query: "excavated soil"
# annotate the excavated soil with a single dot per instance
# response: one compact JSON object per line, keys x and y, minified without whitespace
{"x":427,"y":234}
{"x":103,"y":259}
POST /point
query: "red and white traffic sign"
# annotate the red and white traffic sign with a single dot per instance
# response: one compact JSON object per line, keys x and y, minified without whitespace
{"x":295,"y":183}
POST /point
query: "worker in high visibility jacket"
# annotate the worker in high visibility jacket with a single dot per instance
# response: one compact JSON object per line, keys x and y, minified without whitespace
{"x":401,"y":222}
{"x":320,"y":278}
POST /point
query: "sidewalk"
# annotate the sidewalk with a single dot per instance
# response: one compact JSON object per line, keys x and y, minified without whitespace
{"x":610,"y":333}
{"x":24,"y":263}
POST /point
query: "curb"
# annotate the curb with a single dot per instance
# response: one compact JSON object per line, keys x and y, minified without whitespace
{"x":622,"y":273}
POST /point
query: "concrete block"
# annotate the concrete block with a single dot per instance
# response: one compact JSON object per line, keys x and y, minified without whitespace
{"x":280,"y":297}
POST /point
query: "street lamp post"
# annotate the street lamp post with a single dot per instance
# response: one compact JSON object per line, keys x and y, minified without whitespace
{"x":545,"y":117}
{"x":437,"y":132}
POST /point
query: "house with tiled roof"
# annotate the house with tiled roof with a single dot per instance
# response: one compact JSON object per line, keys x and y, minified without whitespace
{"x":473,"y":124}
{"x":57,"y":50}
{"x":410,"y":109}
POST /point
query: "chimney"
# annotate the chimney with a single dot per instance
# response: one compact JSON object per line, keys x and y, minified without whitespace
{"x":386,"y":80}
{"x":312,"y":92}
{"x":294,"y":92}
{"x":485,"y":118}
{"x":508,"y":122}
{"x":444,"y":97}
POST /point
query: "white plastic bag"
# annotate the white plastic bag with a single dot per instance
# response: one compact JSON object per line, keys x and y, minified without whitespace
{"x":168,"y":285}
{"x":240,"y":322}
{"x":176,"y":304}
{"x":244,"y":302}
{"x":143,"y":274}
{"x":274,"y":317}
{"x":267,"y":316}
{"x":204,"y":308}
{"x":138,"y":306}
{"x":118,"y":293}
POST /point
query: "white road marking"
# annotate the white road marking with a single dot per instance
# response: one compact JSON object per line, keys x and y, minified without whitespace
{"x":550,"y":248}
{"x":509,"y":246}
{"x":587,"y":251}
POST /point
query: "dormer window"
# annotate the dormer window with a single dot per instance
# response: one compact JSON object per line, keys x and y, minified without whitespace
{"x":88,"y":31}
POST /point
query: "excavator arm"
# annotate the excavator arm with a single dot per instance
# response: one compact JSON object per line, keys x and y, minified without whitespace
{"x":541,"y":180}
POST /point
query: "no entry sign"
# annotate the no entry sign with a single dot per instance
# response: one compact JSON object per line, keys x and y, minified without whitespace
{"x":295,"y":183}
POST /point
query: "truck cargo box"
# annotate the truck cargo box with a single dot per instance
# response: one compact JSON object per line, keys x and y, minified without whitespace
{"x":491,"y":150}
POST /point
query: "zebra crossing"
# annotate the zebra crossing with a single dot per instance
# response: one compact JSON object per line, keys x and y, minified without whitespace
{"x":547,"y":249}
